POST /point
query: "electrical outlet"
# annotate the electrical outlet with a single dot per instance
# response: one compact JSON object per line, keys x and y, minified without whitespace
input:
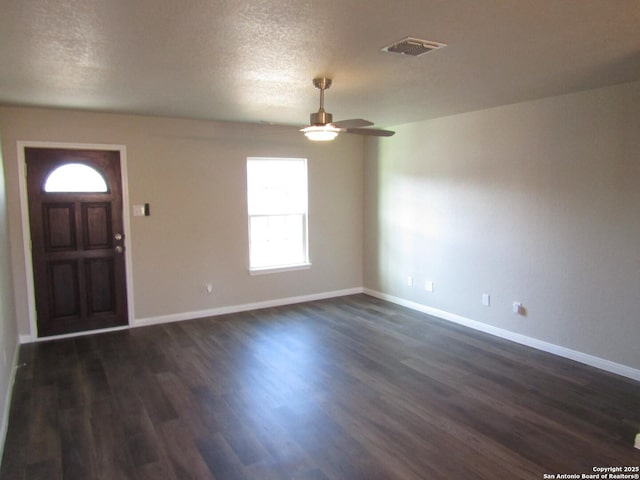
{"x":486,"y":299}
{"x":518,"y":309}
{"x":208,"y":288}
{"x":409,"y":281}
{"x":428,"y":286}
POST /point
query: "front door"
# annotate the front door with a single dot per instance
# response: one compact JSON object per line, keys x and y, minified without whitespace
{"x":75,"y":215}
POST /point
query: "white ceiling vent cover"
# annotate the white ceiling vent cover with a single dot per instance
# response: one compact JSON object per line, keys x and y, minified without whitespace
{"x":413,"y":47}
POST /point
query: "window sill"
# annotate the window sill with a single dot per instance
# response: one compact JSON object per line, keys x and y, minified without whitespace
{"x":285,"y":268}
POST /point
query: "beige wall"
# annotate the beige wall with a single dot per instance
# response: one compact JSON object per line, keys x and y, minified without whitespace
{"x":8,"y":335}
{"x":193,"y":175}
{"x":537,"y":202}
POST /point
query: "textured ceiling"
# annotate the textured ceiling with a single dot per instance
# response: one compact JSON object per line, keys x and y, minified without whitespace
{"x":254,"y":60}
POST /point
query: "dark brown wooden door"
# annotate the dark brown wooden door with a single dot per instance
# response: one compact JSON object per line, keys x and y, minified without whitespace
{"x":77,"y":243}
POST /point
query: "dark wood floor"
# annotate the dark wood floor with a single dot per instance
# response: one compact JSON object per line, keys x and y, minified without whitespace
{"x":348,"y":388}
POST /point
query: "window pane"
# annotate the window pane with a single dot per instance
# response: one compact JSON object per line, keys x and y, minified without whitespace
{"x":276,"y":186}
{"x":277,"y":240}
{"x":75,"y":177}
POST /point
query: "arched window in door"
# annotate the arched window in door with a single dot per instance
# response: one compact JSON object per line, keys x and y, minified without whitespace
{"x":77,"y":178}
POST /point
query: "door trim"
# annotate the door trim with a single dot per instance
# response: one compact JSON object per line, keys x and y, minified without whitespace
{"x":26,"y":233}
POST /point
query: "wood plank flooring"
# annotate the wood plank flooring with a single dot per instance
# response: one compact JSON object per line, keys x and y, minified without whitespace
{"x":348,"y":388}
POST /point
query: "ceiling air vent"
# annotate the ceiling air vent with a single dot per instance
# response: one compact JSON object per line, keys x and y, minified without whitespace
{"x":414,"y":47}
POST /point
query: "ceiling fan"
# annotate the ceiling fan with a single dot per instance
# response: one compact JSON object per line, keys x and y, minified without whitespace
{"x":323,"y":128}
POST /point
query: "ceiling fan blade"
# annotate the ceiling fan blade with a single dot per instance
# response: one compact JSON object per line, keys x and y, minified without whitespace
{"x":372,"y":132}
{"x":353,"y":123}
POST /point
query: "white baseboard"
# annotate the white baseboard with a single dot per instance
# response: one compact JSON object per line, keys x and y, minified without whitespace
{"x":30,"y":339}
{"x":7,"y":405}
{"x":581,"y":357}
{"x":177,"y":317}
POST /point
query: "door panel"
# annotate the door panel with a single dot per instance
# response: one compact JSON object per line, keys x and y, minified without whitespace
{"x":100,"y":284}
{"x":77,"y":244}
{"x":96,"y":219}
{"x":63,"y":278}
{"x":59,"y":227}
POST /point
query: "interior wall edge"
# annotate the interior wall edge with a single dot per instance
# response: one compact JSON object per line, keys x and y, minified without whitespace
{"x":581,"y":357}
{"x":7,"y":401}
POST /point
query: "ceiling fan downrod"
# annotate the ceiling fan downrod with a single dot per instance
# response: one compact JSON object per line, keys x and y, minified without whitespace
{"x":321,"y":117}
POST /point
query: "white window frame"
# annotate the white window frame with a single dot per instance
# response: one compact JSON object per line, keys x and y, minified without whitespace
{"x":274,"y":268}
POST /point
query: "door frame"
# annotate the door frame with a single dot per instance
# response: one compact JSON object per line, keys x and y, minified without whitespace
{"x":26,"y":234}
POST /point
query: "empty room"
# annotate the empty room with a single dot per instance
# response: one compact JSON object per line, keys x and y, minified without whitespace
{"x":319,"y":240}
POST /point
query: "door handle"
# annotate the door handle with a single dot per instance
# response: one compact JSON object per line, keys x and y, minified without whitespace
{"x":119,"y":249}
{"x":118,"y":236}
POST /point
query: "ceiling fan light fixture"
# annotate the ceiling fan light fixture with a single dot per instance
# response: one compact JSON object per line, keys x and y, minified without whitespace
{"x":321,"y":133}
{"x":324,"y":129}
